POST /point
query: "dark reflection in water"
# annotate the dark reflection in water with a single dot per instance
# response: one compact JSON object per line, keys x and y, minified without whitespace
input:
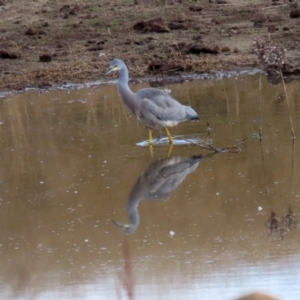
{"x":159,"y":180}
{"x":275,"y":78}
{"x":282,"y":225}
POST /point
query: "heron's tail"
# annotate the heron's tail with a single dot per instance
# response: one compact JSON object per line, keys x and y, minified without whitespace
{"x":191,"y":115}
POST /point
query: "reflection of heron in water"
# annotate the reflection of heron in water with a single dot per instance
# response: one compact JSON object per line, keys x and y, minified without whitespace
{"x":159,"y":180}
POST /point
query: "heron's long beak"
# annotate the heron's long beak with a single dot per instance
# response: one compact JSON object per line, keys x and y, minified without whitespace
{"x":112,"y":68}
{"x":123,"y":226}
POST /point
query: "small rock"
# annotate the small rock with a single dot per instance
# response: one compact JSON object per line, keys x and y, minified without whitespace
{"x":96,"y":48}
{"x":45,"y":10}
{"x":294,"y":14}
{"x":165,"y":68}
{"x":225,"y":49}
{"x":197,"y":37}
{"x":272,"y":28}
{"x":200,"y":48}
{"x":221,"y":2}
{"x":10,"y":54}
{"x":181,"y":46}
{"x":128,"y":42}
{"x":259,"y":20}
{"x":275,"y":2}
{"x":195,"y":8}
{"x":236,"y":50}
{"x":275,"y":18}
{"x":65,"y":8}
{"x":140,"y":26}
{"x":154,"y":25}
{"x":2,"y":2}
{"x":44,"y":84}
{"x":34,"y":31}
{"x":181,"y":17}
{"x":139,"y":42}
{"x":45,"y":58}
{"x":151,"y":47}
{"x":174,"y":25}
{"x":216,"y":20}
{"x":285,"y":28}
{"x":75,"y":10}
{"x":89,"y":42}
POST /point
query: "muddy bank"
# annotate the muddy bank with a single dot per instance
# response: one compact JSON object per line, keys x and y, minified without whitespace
{"x":45,"y":43}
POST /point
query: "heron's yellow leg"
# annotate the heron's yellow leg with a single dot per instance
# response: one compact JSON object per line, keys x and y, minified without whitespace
{"x":150,"y":138}
{"x":170,"y":150}
{"x":151,"y":151}
{"x":169,"y":135}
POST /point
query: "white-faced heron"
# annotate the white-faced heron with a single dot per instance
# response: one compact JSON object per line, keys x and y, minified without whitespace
{"x":155,"y":107}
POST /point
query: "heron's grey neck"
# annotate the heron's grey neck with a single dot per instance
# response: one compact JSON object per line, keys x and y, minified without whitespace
{"x":135,"y":196}
{"x":124,"y":90}
{"x":134,"y":217}
{"x":123,"y":75}
{"x":133,"y":213}
{"x":123,"y":81}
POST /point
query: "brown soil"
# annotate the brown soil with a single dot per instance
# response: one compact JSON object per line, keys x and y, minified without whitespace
{"x":48,"y":42}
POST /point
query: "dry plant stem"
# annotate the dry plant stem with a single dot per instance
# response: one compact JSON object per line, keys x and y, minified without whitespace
{"x":263,"y":163}
{"x":293,"y":166}
{"x":261,"y":136}
{"x":260,"y":111}
{"x":233,"y":149}
{"x":288,"y":106}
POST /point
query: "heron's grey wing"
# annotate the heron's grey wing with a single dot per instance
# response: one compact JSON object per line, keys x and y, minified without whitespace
{"x":180,"y":168}
{"x":171,"y":173}
{"x":160,"y":104}
{"x":172,"y":112}
{"x":159,"y":97}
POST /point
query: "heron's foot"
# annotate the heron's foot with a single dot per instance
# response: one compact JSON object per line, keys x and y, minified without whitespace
{"x":170,"y":139}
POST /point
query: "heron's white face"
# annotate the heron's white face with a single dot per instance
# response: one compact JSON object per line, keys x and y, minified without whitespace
{"x":112,"y":67}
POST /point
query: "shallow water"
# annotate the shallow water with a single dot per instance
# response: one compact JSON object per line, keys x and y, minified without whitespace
{"x":70,"y":160}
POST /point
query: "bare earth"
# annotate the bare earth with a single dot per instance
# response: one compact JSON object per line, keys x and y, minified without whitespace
{"x":49,"y":42}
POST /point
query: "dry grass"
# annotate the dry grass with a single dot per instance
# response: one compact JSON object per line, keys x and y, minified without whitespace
{"x":68,"y":36}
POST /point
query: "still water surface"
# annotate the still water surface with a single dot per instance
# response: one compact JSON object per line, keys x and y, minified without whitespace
{"x":70,"y":165}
